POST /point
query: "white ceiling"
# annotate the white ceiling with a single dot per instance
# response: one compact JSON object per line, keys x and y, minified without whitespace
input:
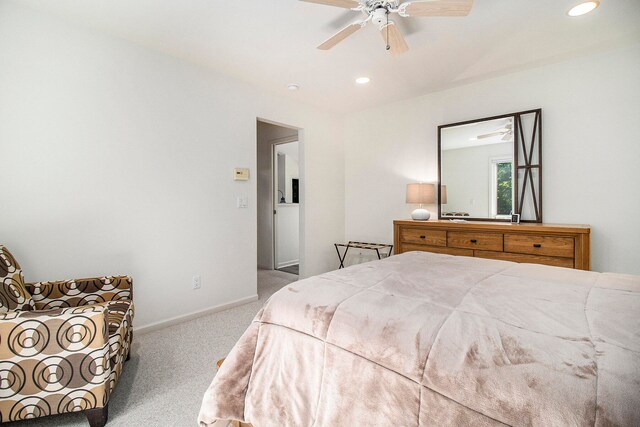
{"x":271,"y":43}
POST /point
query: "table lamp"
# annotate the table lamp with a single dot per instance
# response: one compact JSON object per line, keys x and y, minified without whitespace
{"x":420,"y":194}
{"x":444,"y":194}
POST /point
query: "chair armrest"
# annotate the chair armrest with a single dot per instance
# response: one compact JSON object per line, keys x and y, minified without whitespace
{"x":53,"y":354}
{"x":80,"y":292}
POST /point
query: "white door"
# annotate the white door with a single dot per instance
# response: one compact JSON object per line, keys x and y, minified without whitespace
{"x":286,"y":224}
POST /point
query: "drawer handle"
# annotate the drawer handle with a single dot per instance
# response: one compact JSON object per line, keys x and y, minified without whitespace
{"x":423,"y":237}
{"x":474,"y":241}
{"x":537,"y":245}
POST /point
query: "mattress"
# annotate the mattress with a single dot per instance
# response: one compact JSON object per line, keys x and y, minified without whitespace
{"x":423,"y":339}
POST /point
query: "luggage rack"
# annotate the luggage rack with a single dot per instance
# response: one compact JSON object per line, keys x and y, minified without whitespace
{"x":362,"y":245}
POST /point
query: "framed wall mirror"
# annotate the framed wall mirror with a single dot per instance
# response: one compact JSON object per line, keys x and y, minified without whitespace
{"x":286,"y":173}
{"x":491,"y":168}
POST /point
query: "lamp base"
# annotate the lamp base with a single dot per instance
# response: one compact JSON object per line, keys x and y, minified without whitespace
{"x":420,"y":215}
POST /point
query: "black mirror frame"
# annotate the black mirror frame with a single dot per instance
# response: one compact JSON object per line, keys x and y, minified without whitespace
{"x":520,"y":142}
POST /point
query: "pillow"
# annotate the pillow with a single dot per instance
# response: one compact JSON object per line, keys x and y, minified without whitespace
{"x":13,"y":293}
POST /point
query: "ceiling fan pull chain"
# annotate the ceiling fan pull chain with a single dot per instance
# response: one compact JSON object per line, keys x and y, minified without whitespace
{"x":388,"y":47}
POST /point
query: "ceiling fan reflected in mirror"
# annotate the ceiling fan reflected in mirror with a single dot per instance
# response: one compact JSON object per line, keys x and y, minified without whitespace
{"x":378,"y":11}
{"x":506,"y":133}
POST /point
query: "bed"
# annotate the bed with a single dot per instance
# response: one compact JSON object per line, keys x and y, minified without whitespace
{"x":423,"y":339}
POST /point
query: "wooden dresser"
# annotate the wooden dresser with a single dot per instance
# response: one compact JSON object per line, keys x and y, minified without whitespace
{"x":550,"y":244}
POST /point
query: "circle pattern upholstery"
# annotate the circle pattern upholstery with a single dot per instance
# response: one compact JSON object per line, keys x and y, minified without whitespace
{"x":62,"y":344}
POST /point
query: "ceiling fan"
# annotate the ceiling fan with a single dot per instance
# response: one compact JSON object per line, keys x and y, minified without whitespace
{"x":505,"y":132}
{"x":378,"y":11}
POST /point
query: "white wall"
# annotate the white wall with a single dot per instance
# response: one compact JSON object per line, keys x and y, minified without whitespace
{"x":267,"y":133}
{"x":119,"y":160}
{"x":471,"y":195}
{"x":591,"y":149}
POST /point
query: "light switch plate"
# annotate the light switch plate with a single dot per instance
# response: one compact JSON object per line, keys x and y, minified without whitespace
{"x":241,"y":174}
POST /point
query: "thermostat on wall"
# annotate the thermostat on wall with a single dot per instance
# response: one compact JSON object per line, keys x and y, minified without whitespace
{"x":241,"y":174}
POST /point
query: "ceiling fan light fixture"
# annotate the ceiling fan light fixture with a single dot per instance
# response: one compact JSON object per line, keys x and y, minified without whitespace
{"x":583,"y":8}
{"x":378,"y":11}
{"x":363,"y":80}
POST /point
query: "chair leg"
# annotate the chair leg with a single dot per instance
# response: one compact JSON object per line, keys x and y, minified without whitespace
{"x":97,"y":417}
{"x":130,"y":343}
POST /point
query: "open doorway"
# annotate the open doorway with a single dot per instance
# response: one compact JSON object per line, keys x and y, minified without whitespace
{"x":279,"y":196}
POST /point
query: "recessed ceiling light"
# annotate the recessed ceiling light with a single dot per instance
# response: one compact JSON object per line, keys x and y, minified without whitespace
{"x":583,"y":8}
{"x":293,"y":86}
{"x":363,"y":80}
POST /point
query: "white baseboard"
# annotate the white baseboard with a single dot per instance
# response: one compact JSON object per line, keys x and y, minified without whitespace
{"x":288,"y":263}
{"x":145,"y":329}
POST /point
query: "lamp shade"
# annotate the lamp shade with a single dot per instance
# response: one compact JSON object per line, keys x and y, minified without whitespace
{"x":443,"y":195}
{"x":421,"y":193}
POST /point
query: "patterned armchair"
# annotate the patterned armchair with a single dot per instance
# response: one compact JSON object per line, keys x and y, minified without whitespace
{"x":62,"y":344}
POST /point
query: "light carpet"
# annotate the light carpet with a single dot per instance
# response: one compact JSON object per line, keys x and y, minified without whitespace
{"x":170,"y":369}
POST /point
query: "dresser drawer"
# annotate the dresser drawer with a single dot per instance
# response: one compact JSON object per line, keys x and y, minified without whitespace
{"x":539,"y":245}
{"x":423,"y":237}
{"x":551,"y":244}
{"x":471,"y":240}
{"x":531,"y":259}
{"x":437,"y":249}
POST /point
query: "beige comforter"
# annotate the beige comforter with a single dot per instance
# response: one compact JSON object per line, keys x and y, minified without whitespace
{"x":427,"y":339}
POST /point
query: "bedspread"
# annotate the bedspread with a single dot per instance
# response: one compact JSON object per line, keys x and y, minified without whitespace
{"x":423,"y":339}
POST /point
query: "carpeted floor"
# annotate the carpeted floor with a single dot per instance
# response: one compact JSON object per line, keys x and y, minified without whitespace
{"x":170,"y":369}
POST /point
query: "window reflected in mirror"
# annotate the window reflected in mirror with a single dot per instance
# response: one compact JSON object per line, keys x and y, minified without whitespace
{"x":477,"y":169}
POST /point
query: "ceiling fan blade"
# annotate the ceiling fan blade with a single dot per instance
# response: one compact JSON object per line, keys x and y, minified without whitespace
{"x":347,"y":4}
{"x":507,"y":137}
{"x":492,"y":134}
{"x":395,"y":40}
{"x":341,"y":35}
{"x":436,"y":8}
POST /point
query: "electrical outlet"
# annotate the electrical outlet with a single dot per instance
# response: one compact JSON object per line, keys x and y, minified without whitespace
{"x":196,"y":282}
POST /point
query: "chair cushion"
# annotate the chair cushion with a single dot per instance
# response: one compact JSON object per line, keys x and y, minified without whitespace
{"x":13,"y":294}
